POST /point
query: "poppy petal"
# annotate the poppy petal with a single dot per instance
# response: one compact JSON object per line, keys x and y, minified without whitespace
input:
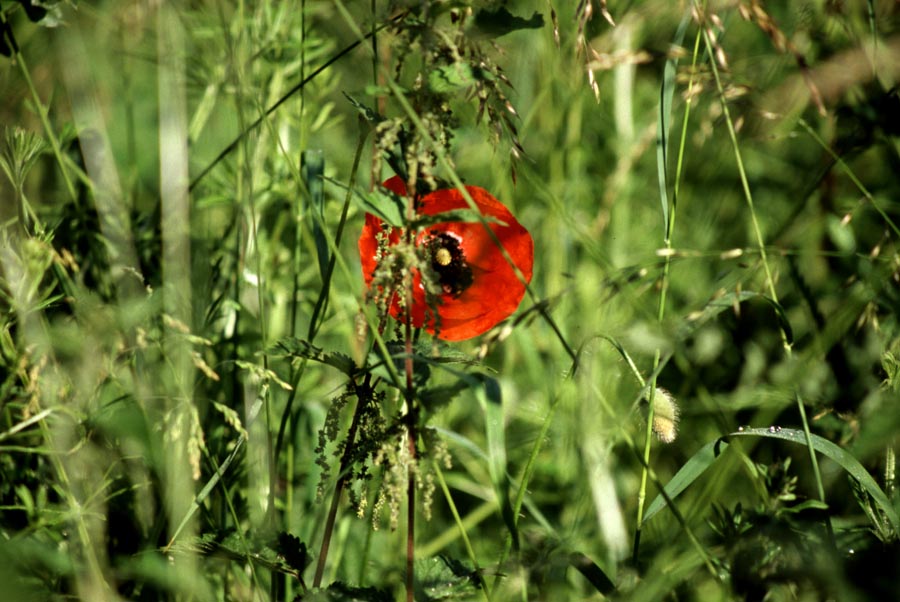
{"x":495,"y":290}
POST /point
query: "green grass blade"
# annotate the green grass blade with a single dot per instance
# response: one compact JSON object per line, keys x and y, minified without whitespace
{"x":709,"y":453}
{"x":843,"y":458}
{"x":313,"y":169}
{"x":666,"y":92}
{"x":491,"y":403}
{"x":690,"y":472}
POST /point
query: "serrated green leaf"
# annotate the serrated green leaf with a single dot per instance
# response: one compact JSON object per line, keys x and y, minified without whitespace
{"x":306,"y":350}
{"x":382,"y":203}
{"x":445,"y":578}
{"x":293,"y":551}
{"x":397,"y":351}
{"x":501,"y":22}
{"x":450,"y":78}
{"x":436,"y":397}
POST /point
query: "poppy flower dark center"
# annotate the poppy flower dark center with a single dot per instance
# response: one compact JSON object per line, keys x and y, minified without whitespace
{"x":449,"y":262}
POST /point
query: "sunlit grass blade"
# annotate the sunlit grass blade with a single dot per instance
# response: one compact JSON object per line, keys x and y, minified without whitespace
{"x":706,"y":456}
{"x":689,"y":472}
{"x":844,"y":459}
{"x":489,"y":396}
{"x":666,"y":93}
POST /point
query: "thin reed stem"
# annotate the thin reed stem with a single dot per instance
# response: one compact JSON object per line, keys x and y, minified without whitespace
{"x":761,"y":247}
{"x":411,"y":419}
{"x":669,"y":80}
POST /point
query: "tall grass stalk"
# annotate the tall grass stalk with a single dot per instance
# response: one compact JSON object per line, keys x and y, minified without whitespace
{"x":761,"y":249}
{"x":669,"y":212}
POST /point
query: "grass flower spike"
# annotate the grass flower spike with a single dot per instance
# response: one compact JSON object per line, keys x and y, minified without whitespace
{"x":474,"y":287}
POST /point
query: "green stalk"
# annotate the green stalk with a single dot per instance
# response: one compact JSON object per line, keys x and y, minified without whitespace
{"x":664,"y":288}
{"x":695,"y":542}
{"x":457,"y":182}
{"x":411,"y":418}
{"x":761,"y":248}
{"x":363,"y":394}
{"x":459,"y":523}
{"x":42,"y":110}
{"x":853,"y":177}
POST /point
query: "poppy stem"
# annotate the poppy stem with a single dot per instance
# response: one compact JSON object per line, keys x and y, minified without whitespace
{"x":411,"y":468}
{"x":363,"y":395}
{"x":411,"y":515}
{"x":410,"y":429}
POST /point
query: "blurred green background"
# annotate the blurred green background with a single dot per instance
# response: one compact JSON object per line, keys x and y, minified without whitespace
{"x":139,"y":317}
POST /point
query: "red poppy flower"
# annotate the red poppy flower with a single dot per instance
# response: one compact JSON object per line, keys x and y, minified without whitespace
{"x":478,"y":287}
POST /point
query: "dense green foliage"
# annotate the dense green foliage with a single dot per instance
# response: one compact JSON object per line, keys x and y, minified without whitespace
{"x":698,"y":398}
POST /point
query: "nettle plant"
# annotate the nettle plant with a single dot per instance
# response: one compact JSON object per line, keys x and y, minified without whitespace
{"x":442,"y":262}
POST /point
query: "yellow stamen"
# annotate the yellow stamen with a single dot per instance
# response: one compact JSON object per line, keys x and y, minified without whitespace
{"x":443,"y":256}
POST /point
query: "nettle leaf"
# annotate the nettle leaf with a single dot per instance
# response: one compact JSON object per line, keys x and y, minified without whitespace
{"x":501,"y":22}
{"x":425,"y":358}
{"x":445,"y":578}
{"x":293,"y":551}
{"x":387,"y":206}
{"x":440,"y":352}
{"x":341,"y":592}
{"x":437,"y":397}
{"x":456,"y":215}
{"x":292,"y":346}
{"x":397,"y":356}
{"x":450,"y":78}
{"x":234,"y":546}
{"x":369,"y":113}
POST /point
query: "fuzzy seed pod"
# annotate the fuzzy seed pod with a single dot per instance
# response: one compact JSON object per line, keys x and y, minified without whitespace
{"x":665,"y":416}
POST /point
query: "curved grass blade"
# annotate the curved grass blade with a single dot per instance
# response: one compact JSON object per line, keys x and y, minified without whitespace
{"x":593,"y":573}
{"x":313,"y":167}
{"x":842,"y":457}
{"x":666,"y":92}
{"x":688,"y":473}
{"x":727,"y":301}
{"x":490,"y":398}
{"x":708,"y":454}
